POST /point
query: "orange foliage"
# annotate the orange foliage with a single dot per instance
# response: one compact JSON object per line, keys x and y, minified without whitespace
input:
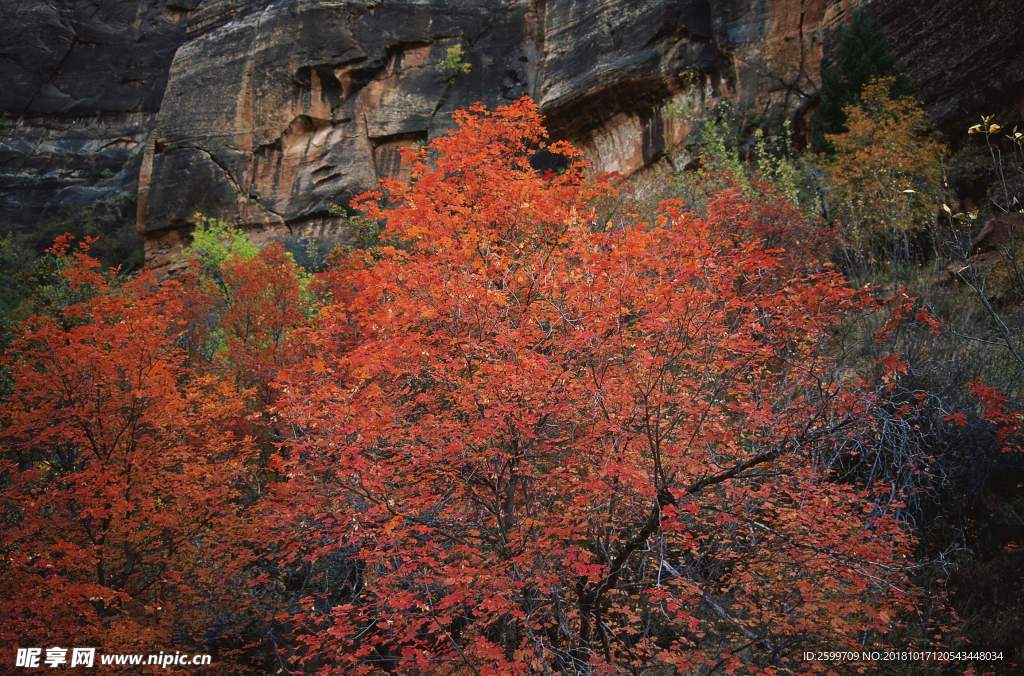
{"x":886,"y":176}
{"x":246,"y":316}
{"x":550,"y":446}
{"x":511,"y":439}
{"x":119,"y":470}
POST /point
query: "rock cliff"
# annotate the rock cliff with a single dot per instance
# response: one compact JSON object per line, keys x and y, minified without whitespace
{"x":82,"y":83}
{"x":266,"y":112}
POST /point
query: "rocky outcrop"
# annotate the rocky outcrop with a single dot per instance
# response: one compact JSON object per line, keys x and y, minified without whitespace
{"x":277,"y":110}
{"x":965,"y":57}
{"x":82,"y":82}
{"x":271,"y":111}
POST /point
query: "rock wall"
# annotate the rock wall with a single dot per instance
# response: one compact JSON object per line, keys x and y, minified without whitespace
{"x":965,"y":57}
{"x":82,"y":83}
{"x":267,"y":112}
{"x":280,"y":109}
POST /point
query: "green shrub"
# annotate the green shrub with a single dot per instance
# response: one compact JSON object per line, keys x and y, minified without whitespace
{"x":455,"y":63}
{"x":796,"y":176}
{"x":214,"y":241}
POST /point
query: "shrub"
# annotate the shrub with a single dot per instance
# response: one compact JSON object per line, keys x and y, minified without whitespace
{"x":886,"y":177}
{"x":454,"y":63}
{"x":861,"y":55}
{"x":214,"y":241}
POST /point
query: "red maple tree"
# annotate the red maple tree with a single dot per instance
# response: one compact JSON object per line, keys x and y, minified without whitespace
{"x":120,"y":471}
{"x":546,"y":443}
{"x":511,"y":438}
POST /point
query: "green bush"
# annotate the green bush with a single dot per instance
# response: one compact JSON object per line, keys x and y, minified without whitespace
{"x":214,"y":241}
{"x":455,"y":63}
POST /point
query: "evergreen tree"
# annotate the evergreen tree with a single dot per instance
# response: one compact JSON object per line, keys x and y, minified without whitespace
{"x":860,"y":55}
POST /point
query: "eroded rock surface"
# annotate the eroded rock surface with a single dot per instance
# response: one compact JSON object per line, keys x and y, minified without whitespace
{"x":277,"y":110}
{"x":271,"y":111}
{"x":82,"y":82}
{"x":965,"y":57}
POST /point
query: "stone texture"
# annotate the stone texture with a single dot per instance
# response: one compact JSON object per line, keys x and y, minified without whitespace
{"x":289,"y":107}
{"x":274,"y":111}
{"x":776,"y":48}
{"x":965,"y":57}
{"x":267,"y":112}
{"x":83,"y":80}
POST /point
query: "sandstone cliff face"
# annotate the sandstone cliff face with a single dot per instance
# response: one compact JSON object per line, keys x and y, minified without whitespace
{"x":272,"y":110}
{"x":965,"y":57}
{"x":277,"y":110}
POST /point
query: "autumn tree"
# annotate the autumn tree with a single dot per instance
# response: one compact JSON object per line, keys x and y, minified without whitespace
{"x":540,"y":443}
{"x":242,"y":305}
{"x":120,"y":470}
{"x":861,"y":55}
{"x":244,"y":308}
{"x":885,"y":177}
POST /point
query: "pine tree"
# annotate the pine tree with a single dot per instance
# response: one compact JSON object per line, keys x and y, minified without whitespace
{"x":861,"y":55}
